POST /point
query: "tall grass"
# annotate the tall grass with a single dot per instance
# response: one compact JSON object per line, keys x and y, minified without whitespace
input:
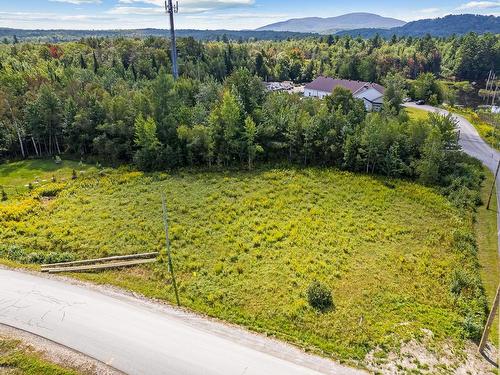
{"x":247,"y":245}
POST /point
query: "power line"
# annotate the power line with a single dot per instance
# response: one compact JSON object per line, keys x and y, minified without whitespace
{"x":169,"y":254}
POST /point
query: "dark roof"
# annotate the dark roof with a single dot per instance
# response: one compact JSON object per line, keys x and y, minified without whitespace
{"x":327,"y":84}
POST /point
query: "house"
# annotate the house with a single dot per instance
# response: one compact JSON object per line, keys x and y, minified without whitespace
{"x":371,"y":93}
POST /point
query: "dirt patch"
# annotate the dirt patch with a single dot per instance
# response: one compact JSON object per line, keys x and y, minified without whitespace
{"x":416,"y":358}
{"x":58,"y":354}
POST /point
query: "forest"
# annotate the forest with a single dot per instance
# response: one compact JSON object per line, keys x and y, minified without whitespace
{"x":113,"y":101}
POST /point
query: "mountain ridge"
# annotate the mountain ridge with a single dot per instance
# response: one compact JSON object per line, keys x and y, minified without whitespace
{"x":332,"y":24}
{"x":440,"y":27}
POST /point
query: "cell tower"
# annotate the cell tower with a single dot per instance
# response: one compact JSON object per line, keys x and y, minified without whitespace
{"x":171,"y":9}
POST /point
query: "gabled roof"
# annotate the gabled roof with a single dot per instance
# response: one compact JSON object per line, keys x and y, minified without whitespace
{"x":327,"y":84}
{"x":370,"y":95}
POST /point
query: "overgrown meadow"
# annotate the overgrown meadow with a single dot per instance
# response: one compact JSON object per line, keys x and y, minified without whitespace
{"x":398,"y":257}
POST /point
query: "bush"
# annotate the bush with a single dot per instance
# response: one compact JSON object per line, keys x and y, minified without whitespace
{"x":319,"y":296}
{"x":473,"y":327}
{"x":26,"y":256}
{"x":459,"y":281}
{"x":50,"y":190}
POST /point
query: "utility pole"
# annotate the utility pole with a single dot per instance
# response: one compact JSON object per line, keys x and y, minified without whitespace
{"x":494,"y":96}
{"x":493,"y":187}
{"x":169,"y":255}
{"x":489,"y":322}
{"x":171,"y":9}
{"x":484,"y":96}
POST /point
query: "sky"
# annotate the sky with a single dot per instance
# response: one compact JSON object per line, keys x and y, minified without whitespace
{"x":215,"y":14}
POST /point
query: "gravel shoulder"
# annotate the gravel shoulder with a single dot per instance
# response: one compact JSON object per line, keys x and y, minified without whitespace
{"x":58,"y":354}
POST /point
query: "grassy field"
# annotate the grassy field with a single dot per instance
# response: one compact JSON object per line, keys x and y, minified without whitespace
{"x":485,"y":129}
{"x":19,"y":359}
{"x":15,"y":177}
{"x":247,"y":245}
{"x":417,"y":114}
{"x":485,"y":228}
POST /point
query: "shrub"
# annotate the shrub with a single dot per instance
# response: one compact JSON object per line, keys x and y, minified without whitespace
{"x":22,"y":255}
{"x":459,"y":282}
{"x":319,"y":296}
{"x":49,"y":190}
{"x":473,"y":327}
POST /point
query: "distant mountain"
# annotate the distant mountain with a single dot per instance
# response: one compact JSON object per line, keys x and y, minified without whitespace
{"x":446,"y":26}
{"x":334,"y":24}
{"x":66,"y":35}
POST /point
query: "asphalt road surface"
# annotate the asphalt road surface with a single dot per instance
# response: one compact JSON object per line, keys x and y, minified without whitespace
{"x":473,"y":145}
{"x":138,"y":336}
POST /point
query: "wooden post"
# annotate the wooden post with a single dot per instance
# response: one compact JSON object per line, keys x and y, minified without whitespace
{"x":493,"y":187}
{"x":170,"y":265}
{"x":489,"y":322}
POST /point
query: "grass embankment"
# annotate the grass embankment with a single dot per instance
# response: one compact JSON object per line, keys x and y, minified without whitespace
{"x":485,"y":226}
{"x":486,"y":234}
{"x":485,"y":128}
{"x":246,"y":246}
{"x":17,"y":358}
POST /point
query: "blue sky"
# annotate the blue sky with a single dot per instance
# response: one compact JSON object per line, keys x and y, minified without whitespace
{"x":212,"y":14}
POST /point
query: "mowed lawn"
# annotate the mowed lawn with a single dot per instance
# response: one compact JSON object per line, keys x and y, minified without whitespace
{"x":416,"y":113}
{"x":15,"y":177}
{"x":246,"y":246}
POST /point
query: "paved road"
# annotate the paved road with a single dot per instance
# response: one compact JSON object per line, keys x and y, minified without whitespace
{"x":140,"y":337}
{"x":472,"y":144}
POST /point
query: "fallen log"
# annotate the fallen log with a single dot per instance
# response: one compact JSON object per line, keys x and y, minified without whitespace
{"x":100,"y":260}
{"x":97,"y":267}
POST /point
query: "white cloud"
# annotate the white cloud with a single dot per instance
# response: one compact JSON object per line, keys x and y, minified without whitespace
{"x":429,"y":10}
{"x":77,"y":2}
{"x":135,"y":10}
{"x":193,"y":6}
{"x":231,"y":16}
{"x":480,"y":5}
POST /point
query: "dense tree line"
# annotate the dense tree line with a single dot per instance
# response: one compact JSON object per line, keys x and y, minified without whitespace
{"x":114,"y":101}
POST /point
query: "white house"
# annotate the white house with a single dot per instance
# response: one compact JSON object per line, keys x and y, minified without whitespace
{"x":371,"y":93}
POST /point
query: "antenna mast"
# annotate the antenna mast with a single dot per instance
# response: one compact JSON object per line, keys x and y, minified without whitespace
{"x":171,"y":9}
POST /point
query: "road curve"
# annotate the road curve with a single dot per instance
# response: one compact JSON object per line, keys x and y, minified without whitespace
{"x":473,"y":145}
{"x":137,"y":336}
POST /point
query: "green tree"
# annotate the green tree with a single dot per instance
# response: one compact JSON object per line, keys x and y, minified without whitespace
{"x":252,"y":148}
{"x":430,"y":164}
{"x":395,"y":92}
{"x":225,"y":123}
{"x":427,"y":88}
{"x":148,"y":145}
